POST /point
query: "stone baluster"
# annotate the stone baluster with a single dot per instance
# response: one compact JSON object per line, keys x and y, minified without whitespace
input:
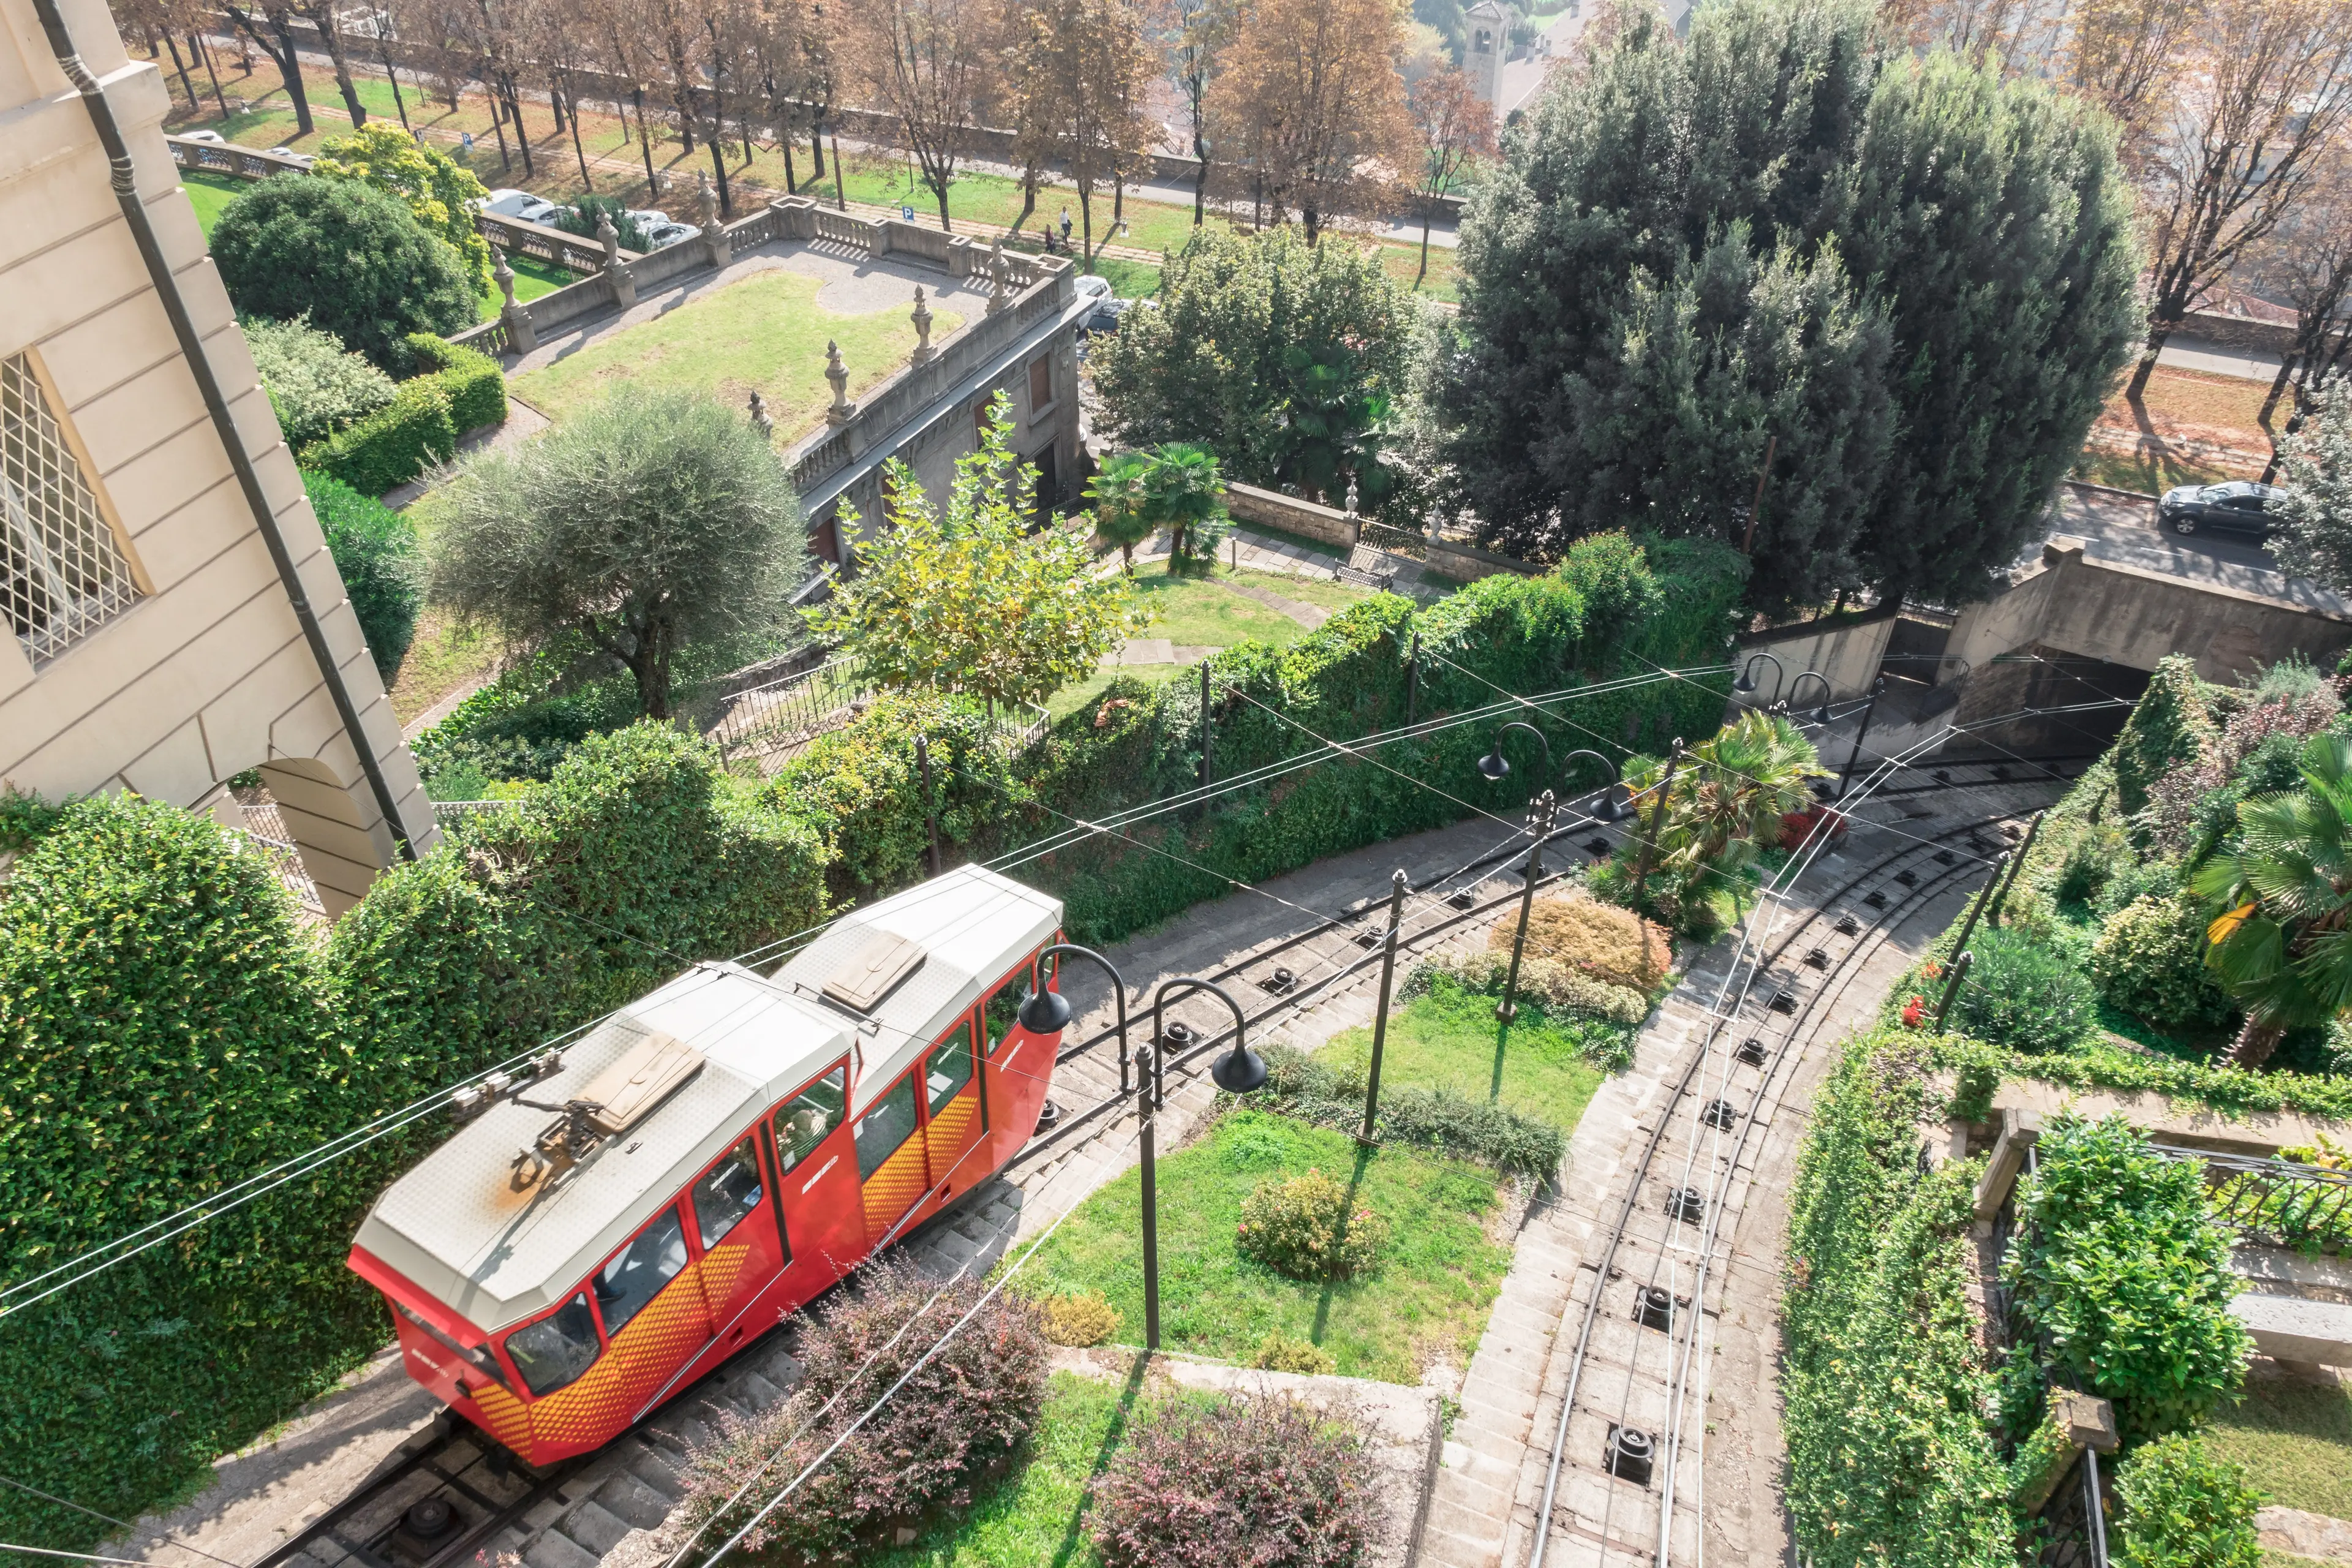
{"x":922,"y":319}
{"x":714,"y":236}
{"x":1000,"y":290}
{"x":838,"y":374}
{"x":623,"y":281}
{"x":521,"y":335}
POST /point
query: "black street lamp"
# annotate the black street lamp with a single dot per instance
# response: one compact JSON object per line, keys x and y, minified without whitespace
{"x":1044,"y":1012}
{"x":1494,"y":766}
{"x":1820,"y":714}
{"x":1238,"y":1071}
{"x":1528,"y":878}
{"x":1612,"y":805}
{"x":1746,"y":685}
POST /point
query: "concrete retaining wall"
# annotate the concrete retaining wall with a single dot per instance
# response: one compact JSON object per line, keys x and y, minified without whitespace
{"x":1846,"y":652}
{"x":1289,"y":514}
{"x":1463,"y":563}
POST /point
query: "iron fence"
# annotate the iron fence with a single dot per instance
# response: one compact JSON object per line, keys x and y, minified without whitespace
{"x":784,"y":712}
{"x":267,"y":831}
{"x":1392,"y":541}
{"x":2071,"y":1531}
{"x":2275,"y":1203}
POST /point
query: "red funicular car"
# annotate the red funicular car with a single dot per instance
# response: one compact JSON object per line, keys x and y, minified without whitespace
{"x":604,"y":1232}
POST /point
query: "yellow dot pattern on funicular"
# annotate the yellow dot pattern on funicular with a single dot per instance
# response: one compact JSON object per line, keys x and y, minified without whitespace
{"x":949,"y":1129}
{"x":893,"y":1189}
{"x":607,"y":1396}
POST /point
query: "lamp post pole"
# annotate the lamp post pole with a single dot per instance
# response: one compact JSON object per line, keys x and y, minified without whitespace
{"x":1380,"y":1018}
{"x":2016,"y":866}
{"x":1146,"y":1061}
{"x":1543,"y":817}
{"x":1963,"y":958}
{"x":1952,"y":987}
{"x":1862,"y":734}
{"x":1238,"y":1071}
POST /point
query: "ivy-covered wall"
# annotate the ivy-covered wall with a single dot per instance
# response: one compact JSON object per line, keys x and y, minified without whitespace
{"x":167,"y":1028}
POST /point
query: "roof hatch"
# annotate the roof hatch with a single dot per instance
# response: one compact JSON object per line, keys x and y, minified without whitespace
{"x":871,"y":970}
{"x":636,"y":1080}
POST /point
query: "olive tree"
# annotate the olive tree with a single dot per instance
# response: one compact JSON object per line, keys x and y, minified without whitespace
{"x":653,"y":520}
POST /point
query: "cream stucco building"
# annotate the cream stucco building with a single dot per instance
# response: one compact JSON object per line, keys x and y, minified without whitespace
{"x":175,"y":618}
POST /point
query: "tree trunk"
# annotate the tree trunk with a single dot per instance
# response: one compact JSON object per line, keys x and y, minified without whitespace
{"x":2278,"y":390}
{"x":324,"y":20}
{"x":645,"y":142}
{"x":196,"y":45}
{"x":1427,"y":217}
{"x":1028,"y":198}
{"x":498,"y":124}
{"x":185,"y":85}
{"x":522,"y":137}
{"x":718,"y":162}
{"x":816,"y":148}
{"x":555,"y":101}
{"x":1314,"y":222}
{"x":577,"y":151}
{"x":1200,"y":176}
{"x":290,"y":68}
{"x":1087,"y":224}
{"x":792,"y":177}
{"x":2157,"y":333}
{"x":2254,"y":1043}
{"x":384,"y":52}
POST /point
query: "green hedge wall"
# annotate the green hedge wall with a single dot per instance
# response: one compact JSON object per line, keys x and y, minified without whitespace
{"x":382,"y":568}
{"x":460,"y":389}
{"x":476,"y":387}
{"x":391,"y":445}
{"x":1890,"y":1464}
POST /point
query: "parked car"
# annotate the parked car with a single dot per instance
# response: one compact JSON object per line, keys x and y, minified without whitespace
{"x":305,"y":159}
{"x":201,"y":136}
{"x":1105,"y":316}
{"x":508,"y":202}
{"x":665,"y":232}
{"x":2240,"y":507}
{"x":1094,"y":285}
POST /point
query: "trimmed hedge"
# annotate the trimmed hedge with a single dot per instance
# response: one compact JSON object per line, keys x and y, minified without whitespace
{"x":2184,"y":1509}
{"x":391,"y":445}
{"x":376,"y":554}
{"x":476,"y":386}
{"x":1883,"y":1383}
{"x":459,"y":390}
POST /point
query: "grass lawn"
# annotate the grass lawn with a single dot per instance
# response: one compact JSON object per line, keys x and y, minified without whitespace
{"x":1427,"y":1300}
{"x":1533,"y":1066}
{"x":2296,"y":1439}
{"x":440,"y":659}
{"x":1030,"y":1519}
{"x":2148,"y":475}
{"x":765,"y":332}
{"x":1198,"y":612}
{"x":2198,"y":397}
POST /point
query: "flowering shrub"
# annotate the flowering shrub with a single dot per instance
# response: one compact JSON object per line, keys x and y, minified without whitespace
{"x":1267,"y":1482}
{"x":960,"y":1415}
{"x":1915,"y":1012}
{"x":1614,"y":946}
{"x":1303,"y":1227}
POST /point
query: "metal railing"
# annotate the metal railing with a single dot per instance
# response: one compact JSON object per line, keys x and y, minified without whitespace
{"x":2071,"y":1531}
{"x":228,"y":158}
{"x":784,"y":712}
{"x":446,"y":812}
{"x":267,"y":831}
{"x":1393,"y":541}
{"x":2275,"y":1203}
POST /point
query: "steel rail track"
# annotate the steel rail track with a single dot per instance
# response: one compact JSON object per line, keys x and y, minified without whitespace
{"x":449,"y":1460}
{"x":1685,"y":1324}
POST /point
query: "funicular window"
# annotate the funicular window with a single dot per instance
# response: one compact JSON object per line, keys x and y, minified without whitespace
{"x":552,"y":1352}
{"x":811,"y":1117}
{"x":639,"y":1271}
{"x":889,"y":1124}
{"x":728,"y":1191}
{"x":950,"y":1068}
{"x":1003,"y":1009}
{"x":478,"y":1357}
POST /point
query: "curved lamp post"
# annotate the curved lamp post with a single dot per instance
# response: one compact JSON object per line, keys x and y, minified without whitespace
{"x":1877,"y":686}
{"x":1611,"y":805}
{"x":1746,"y":685}
{"x":1495,"y":766}
{"x":1044,"y":1012}
{"x":1238,"y":1071}
{"x":1820,"y":714}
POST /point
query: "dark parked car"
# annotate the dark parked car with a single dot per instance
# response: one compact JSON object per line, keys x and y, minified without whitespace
{"x":2238,"y":506}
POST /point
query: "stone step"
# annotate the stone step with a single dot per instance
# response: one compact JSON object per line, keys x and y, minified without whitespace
{"x":593,"y":1527}
{"x":555,"y":1549}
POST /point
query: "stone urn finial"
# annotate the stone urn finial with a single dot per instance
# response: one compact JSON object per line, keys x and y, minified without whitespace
{"x":609,"y":237}
{"x":838,"y":374}
{"x":1351,"y":495}
{"x":1000,"y":273}
{"x":759,"y":419}
{"x":503,"y":275}
{"x":706,"y":201}
{"x":922,"y":319}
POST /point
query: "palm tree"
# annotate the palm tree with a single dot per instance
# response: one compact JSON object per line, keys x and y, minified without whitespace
{"x":2280,"y":940}
{"x":1731,"y":792}
{"x":1122,"y":510}
{"x":1184,"y":491}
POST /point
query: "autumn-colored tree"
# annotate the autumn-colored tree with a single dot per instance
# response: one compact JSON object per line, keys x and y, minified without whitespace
{"x":1202,"y":28}
{"x":2268,"y":84}
{"x":1081,"y":75}
{"x":927,"y":62}
{"x":1455,"y":125}
{"x":2307,"y":264}
{"x":271,"y":27}
{"x":2120,"y":54}
{"x":440,"y":193}
{"x":1312,"y":96}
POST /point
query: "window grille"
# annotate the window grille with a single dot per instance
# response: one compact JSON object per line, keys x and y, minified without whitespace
{"x":62,"y":571}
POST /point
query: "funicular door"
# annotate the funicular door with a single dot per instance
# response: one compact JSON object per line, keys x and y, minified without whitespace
{"x":889,"y":1144}
{"x":743,"y":1245}
{"x":1017,"y":1066}
{"x":956,"y":1115}
{"x":822,"y":1211}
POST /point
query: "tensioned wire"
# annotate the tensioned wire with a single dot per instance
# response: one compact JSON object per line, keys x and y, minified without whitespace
{"x":95,"y":1260}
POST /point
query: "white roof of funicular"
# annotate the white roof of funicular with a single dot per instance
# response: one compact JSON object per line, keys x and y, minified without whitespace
{"x":971,"y":924}
{"x":456,"y":1227}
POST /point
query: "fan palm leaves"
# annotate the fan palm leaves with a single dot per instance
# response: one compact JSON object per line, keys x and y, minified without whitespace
{"x":2280,"y":903}
{"x":1731,"y":792}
